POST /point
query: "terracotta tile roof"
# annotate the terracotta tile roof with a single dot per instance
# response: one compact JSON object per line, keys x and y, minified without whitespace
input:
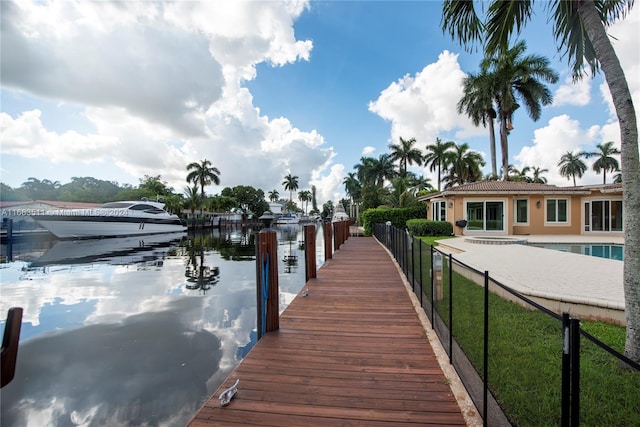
{"x":515,"y":187}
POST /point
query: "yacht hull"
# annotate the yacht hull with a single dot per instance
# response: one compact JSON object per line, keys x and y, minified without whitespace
{"x":77,"y":228}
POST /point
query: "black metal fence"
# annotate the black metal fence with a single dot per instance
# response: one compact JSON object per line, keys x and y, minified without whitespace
{"x":521,"y":363}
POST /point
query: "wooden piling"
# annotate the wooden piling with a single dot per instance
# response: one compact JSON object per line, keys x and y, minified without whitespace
{"x":310,"y":251}
{"x":10,"y":340}
{"x":268,"y":298}
{"x":328,"y":252}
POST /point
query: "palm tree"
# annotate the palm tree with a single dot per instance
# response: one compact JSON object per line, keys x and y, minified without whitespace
{"x":274,"y":195}
{"x":439,"y":156}
{"x":406,"y":154}
{"x":516,"y":77}
{"x":571,"y":165}
{"x":537,"y":175}
{"x":604,"y":161}
{"x":477,"y":104}
{"x":203,"y":174}
{"x":304,"y":197}
{"x":290,"y":184}
{"x":580,"y":29}
{"x":465,"y":166}
{"x":192,"y":200}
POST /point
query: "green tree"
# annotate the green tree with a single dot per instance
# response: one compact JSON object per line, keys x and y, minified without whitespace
{"x":465,"y":166}
{"x":8,"y":194}
{"x":192,"y":200}
{"x":304,"y":197}
{"x":571,"y":165}
{"x":154,"y":186}
{"x":203,"y":174}
{"x":247,"y":198}
{"x":537,"y":177}
{"x":41,"y":190}
{"x":290,"y":184}
{"x":274,"y":195}
{"x":406,"y":154}
{"x":517,"y":77}
{"x":477,"y":103}
{"x":580,"y":29}
{"x":604,"y":159}
{"x":439,"y":156}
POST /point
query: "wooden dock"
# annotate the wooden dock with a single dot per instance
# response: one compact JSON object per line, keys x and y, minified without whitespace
{"x":351,"y":353}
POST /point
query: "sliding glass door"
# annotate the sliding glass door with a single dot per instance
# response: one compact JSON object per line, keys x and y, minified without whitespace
{"x":485,"y":216}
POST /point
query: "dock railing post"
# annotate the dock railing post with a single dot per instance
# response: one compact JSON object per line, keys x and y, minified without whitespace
{"x":268,"y":298}
{"x":327,"y":241}
{"x":10,"y":340}
{"x":310,"y":251}
{"x":336,"y":235}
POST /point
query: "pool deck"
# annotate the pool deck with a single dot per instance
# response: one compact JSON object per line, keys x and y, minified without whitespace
{"x":586,"y":286}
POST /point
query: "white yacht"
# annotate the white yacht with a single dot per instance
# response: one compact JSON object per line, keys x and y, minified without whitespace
{"x":126,"y":218}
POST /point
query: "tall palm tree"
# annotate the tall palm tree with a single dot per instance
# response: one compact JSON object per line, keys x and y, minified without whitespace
{"x":604,"y":161}
{"x":439,"y":156}
{"x":477,"y":104}
{"x":406,"y":154}
{"x":580,"y":28}
{"x":304,"y":197}
{"x":274,"y":195}
{"x":571,"y":165}
{"x":203,"y":174}
{"x":465,"y":166}
{"x":517,"y":77}
{"x":352,"y":186}
{"x":290,"y":184}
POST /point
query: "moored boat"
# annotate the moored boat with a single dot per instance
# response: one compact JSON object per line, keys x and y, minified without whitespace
{"x":114,"y":219}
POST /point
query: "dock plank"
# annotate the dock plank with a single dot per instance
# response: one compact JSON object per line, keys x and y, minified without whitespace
{"x":352,"y":352}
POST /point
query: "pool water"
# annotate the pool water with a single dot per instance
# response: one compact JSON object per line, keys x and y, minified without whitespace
{"x":615,"y":252}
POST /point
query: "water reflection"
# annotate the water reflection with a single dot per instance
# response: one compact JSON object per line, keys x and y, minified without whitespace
{"x":125,"y":332}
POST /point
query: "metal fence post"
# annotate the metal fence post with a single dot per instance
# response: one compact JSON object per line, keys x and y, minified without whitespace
{"x":485,"y":361}
{"x":565,"y":401}
{"x":574,"y":328}
{"x":450,"y":309}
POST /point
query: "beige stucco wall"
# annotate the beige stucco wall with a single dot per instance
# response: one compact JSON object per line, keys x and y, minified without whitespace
{"x":537,"y":205}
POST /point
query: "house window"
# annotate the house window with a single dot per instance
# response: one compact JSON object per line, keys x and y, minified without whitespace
{"x":485,"y":216}
{"x":522,"y":211}
{"x":557,"y":210}
{"x":603,"y":215}
{"x":439,"y":210}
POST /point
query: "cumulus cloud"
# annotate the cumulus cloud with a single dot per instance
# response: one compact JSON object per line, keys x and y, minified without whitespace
{"x":161,"y":83}
{"x":423,"y":105}
{"x":573,"y":93}
{"x":561,"y":134}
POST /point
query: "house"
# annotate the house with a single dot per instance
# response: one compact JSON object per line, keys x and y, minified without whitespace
{"x":522,"y":208}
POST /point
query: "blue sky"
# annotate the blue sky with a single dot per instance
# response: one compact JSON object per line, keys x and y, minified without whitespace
{"x":262,"y":89}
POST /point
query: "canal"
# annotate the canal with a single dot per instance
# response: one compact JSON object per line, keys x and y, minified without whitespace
{"x":134,"y":331}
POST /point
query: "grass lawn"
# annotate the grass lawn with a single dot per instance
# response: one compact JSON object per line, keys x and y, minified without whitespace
{"x":525,"y":351}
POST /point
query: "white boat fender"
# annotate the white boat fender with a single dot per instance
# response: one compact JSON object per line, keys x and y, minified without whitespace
{"x":226,"y":396}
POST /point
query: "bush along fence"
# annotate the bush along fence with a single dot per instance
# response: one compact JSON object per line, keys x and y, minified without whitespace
{"x":521,"y":363}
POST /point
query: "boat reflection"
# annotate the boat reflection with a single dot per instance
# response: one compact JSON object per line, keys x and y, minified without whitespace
{"x":148,"y":250}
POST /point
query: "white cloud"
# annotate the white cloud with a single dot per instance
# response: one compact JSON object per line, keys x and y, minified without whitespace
{"x":368,"y":150}
{"x":573,"y":93}
{"x":424,"y":105}
{"x":561,"y":134}
{"x":161,"y":83}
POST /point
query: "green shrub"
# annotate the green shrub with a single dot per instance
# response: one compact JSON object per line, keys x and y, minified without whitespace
{"x":397,"y":216}
{"x":425,"y":227}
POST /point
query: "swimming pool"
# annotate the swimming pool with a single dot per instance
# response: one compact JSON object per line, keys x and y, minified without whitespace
{"x":600,"y":250}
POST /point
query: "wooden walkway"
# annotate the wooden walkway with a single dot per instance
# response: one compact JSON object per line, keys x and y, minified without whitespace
{"x":351,"y":353}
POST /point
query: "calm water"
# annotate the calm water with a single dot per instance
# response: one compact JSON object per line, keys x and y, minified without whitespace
{"x":132,"y":332}
{"x":603,"y":251}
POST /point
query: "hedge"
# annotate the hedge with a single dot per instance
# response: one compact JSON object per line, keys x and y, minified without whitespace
{"x":425,"y":227}
{"x":397,"y":216}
